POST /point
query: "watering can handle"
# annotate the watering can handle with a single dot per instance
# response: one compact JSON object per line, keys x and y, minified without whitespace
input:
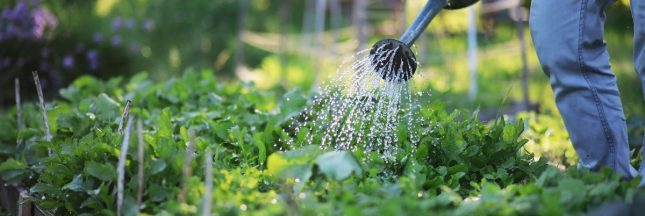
{"x":429,"y":11}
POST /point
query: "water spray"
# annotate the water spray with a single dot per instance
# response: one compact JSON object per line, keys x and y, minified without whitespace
{"x":392,"y":59}
{"x":359,"y":111}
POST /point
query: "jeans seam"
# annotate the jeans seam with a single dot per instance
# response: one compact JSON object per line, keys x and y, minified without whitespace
{"x":594,"y":91}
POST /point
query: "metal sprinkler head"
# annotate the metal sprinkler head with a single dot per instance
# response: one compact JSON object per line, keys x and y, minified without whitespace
{"x":393,"y":61}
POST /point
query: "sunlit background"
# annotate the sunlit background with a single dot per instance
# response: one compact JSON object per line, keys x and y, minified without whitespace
{"x":285,"y":44}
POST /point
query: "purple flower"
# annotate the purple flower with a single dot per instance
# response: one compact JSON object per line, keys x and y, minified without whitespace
{"x":19,"y":9}
{"x":93,"y":59}
{"x":116,"y":40}
{"x":42,"y":18}
{"x":116,"y":23}
{"x":10,"y":31}
{"x":6,"y":13}
{"x":92,"y":55}
{"x":97,"y":38}
{"x":68,"y":61}
{"x":148,"y":24}
{"x":129,"y":24}
{"x":27,"y":21}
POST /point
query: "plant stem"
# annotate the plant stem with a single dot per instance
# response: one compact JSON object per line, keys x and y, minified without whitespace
{"x":208,"y":196}
{"x":126,"y":111}
{"x":187,"y":169}
{"x":18,"y":110}
{"x":39,"y":90}
{"x":121,"y":166}
{"x":140,"y":154}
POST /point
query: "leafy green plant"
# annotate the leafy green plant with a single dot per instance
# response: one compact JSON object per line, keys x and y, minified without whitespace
{"x":460,"y":166}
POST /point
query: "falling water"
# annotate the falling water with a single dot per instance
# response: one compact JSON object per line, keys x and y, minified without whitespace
{"x":363,"y":107}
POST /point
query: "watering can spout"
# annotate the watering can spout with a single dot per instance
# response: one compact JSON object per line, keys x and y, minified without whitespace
{"x":393,"y":59}
{"x":429,"y":11}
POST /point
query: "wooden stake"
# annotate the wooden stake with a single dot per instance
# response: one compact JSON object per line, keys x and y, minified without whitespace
{"x":121,"y":166}
{"x":187,"y":169}
{"x":208,"y":196}
{"x":39,"y":90}
{"x":126,"y":111}
{"x":140,"y":154}
{"x":18,"y":110}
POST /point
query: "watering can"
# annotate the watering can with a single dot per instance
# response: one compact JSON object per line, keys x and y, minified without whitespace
{"x":393,"y":59}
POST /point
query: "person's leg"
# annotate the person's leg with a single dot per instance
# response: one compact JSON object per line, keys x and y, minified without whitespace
{"x":568,"y":38}
{"x":638,"y":14}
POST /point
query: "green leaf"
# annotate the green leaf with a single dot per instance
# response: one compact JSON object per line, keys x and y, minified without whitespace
{"x":129,"y":206}
{"x":106,"y":107}
{"x":13,"y":171}
{"x":296,"y":164}
{"x":471,"y":150}
{"x":76,"y":184}
{"x":510,"y":132}
{"x":165,"y":123}
{"x":338,"y":165}
{"x":572,"y":191}
{"x":262,"y":150}
{"x":12,"y":164}
{"x":104,"y":172}
{"x":457,"y":168}
{"x":157,"y":166}
{"x":43,"y":188}
{"x":157,"y":193}
{"x":279,"y":165}
{"x":442,"y":170}
{"x":291,"y":104}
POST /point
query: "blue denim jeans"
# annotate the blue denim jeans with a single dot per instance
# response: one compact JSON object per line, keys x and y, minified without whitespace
{"x":568,"y":38}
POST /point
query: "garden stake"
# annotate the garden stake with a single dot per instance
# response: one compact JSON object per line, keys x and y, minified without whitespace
{"x":208,"y":196}
{"x":126,"y":111}
{"x":187,"y":169}
{"x":39,"y":90}
{"x":140,"y":155}
{"x":18,"y":111}
{"x":121,"y":166}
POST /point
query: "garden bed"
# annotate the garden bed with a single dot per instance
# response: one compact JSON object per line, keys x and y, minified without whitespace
{"x":194,"y":144}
